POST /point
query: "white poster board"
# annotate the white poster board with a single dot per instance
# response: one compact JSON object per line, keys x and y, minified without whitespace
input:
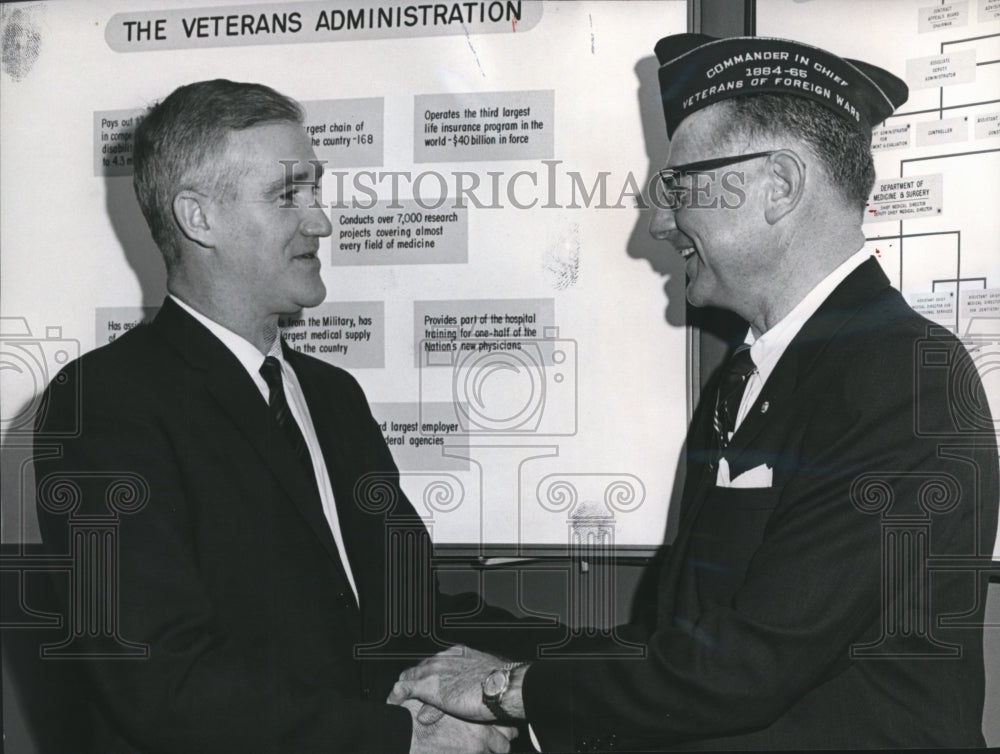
{"x":491,"y":282}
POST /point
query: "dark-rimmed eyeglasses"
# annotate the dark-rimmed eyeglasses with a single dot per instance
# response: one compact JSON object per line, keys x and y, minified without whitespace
{"x":669,"y":177}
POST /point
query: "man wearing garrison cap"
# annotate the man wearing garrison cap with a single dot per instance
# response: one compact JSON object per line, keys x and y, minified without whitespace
{"x":840,"y":452}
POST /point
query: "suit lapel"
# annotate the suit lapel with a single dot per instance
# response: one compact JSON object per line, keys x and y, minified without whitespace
{"x":699,"y":480}
{"x":829,"y":320}
{"x":233,"y":390}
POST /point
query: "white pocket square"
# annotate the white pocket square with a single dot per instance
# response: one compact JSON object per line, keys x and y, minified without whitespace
{"x":759,"y":477}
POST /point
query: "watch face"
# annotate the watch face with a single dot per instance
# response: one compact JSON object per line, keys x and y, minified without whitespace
{"x":494,"y":683}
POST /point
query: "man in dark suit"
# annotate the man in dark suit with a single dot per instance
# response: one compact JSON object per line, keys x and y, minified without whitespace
{"x":243,"y":601}
{"x":825,"y":588}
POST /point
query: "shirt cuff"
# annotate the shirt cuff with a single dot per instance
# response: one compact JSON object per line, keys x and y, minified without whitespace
{"x":534,"y":739}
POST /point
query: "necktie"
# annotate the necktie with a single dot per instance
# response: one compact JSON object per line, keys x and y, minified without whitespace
{"x":727,"y":403}
{"x":270,"y":370}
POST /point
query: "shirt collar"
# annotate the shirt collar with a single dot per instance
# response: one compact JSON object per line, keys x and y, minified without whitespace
{"x":244,"y":351}
{"x":768,"y":348}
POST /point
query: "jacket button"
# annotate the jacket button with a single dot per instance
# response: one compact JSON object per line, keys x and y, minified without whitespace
{"x":366,"y":693}
{"x":343,"y":600}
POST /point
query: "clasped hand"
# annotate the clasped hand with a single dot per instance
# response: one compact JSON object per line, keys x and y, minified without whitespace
{"x":450,"y":687}
{"x":452,"y":716}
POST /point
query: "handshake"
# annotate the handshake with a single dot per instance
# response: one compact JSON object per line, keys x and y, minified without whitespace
{"x":457,"y":697}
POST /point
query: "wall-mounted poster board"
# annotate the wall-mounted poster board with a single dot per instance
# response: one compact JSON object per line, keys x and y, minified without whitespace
{"x":490,"y":279}
{"x":932,"y":220}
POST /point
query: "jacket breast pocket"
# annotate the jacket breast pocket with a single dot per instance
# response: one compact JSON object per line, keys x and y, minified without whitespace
{"x":726,"y":534}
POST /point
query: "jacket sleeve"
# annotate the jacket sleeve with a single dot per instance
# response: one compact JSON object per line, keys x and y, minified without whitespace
{"x":459,"y":618}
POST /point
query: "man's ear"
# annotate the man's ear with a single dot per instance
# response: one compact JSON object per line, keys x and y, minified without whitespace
{"x":787,"y":184}
{"x":191,"y":213}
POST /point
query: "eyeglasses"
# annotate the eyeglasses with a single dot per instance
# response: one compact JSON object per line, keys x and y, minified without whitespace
{"x":669,"y":177}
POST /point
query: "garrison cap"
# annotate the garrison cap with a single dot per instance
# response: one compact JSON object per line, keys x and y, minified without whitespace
{"x":697,"y":70}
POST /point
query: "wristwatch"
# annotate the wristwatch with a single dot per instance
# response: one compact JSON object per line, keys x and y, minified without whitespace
{"x":495,"y":685}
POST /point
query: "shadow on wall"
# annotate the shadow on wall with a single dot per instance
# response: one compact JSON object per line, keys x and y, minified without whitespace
{"x":662,"y":258}
{"x":723,"y":329}
{"x":136,"y":241}
{"x":45,"y":700}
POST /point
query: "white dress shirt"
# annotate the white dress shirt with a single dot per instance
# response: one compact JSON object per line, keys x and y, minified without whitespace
{"x":252,"y":359}
{"x":768,"y":348}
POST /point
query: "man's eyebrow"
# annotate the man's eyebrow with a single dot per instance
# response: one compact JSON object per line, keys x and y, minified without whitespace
{"x":298,"y":177}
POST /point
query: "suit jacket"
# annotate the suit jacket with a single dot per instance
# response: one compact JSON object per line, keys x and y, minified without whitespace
{"x":221,"y":618}
{"x":838,"y":607}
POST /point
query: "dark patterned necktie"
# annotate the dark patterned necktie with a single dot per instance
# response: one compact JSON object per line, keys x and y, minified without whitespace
{"x":727,"y":403}
{"x":270,"y":370}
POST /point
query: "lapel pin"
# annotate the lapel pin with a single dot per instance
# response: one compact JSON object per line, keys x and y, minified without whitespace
{"x":765,"y":406}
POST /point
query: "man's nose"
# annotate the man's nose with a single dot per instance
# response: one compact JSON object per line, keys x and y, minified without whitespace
{"x":662,"y":223}
{"x":316,"y":223}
